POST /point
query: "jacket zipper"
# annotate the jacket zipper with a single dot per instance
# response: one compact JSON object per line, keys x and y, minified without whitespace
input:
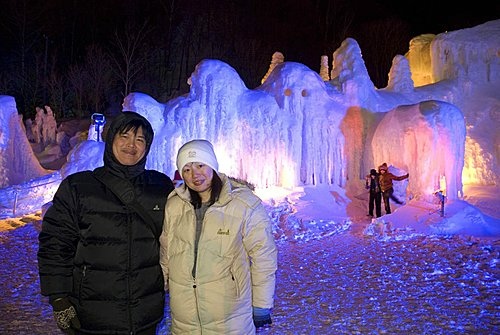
{"x":197,"y":307}
{"x":129,"y":233}
{"x":84,"y":272}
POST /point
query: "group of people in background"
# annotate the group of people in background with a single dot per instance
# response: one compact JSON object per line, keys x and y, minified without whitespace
{"x":115,"y":240}
{"x":380,"y":186}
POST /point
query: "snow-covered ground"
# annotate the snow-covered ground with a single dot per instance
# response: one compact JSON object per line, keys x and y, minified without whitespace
{"x":336,"y":275}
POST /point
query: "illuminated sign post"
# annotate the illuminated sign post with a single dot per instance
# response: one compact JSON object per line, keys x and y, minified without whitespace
{"x":98,"y":120}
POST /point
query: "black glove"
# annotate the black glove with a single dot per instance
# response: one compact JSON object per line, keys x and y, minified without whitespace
{"x":65,"y":315}
{"x":261,"y":317}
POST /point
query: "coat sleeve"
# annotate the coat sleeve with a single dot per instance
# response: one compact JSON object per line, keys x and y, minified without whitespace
{"x":261,"y":248}
{"x":401,"y":177}
{"x":57,"y":243}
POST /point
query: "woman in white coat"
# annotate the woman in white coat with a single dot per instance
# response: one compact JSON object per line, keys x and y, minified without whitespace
{"x":218,"y":254}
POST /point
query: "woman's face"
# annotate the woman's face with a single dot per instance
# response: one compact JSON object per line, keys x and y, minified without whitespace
{"x":129,"y":147}
{"x":198,"y":177}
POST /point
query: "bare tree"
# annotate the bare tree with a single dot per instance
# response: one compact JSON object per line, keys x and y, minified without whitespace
{"x":77,"y":78}
{"x":335,"y":19}
{"x":98,"y":65}
{"x":131,"y":58}
{"x":56,"y":93}
{"x":24,"y":24}
{"x":160,"y":60}
{"x":380,"y":41}
{"x":32,"y":84}
{"x":7,"y":84}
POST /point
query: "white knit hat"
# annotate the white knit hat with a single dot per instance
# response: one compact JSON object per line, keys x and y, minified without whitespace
{"x":197,"y":151}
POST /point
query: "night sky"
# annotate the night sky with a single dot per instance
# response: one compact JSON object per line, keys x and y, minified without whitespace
{"x":49,"y":36}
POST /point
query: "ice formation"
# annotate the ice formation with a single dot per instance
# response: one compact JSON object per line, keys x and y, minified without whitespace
{"x":298,"y":129}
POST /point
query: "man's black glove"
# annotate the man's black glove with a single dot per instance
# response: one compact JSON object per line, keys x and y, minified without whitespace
{"x":261,"y":317}
{"x":65,"y":315}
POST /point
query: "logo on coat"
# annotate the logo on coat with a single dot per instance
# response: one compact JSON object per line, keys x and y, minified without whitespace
{"x":223,"y":232}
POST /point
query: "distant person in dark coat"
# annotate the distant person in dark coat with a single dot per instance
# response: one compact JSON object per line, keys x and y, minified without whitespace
{"x":98,"y":258}
{"x":385,"y":179}
{"x":375,"y":201}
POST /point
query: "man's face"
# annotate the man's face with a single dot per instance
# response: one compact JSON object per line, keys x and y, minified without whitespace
{"x":130,"y":147}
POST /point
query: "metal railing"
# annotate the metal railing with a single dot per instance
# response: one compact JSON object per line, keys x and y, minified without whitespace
{"x":29,"y":197}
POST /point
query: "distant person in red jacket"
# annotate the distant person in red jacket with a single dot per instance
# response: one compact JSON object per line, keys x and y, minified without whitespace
{"x":177,"y":179}
{"x":385,"y":180}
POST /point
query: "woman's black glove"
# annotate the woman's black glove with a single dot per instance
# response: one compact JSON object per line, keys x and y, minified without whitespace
{"x":65,"y":315}
{"x":261,"y":317}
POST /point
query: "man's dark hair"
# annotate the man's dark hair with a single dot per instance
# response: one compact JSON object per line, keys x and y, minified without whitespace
{"x":135,"y":124}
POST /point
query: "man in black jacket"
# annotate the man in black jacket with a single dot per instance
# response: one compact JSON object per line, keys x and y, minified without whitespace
{"x":98,"y":253}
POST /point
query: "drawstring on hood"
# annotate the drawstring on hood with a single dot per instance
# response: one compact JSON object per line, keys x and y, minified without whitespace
{"x":122,"y":123}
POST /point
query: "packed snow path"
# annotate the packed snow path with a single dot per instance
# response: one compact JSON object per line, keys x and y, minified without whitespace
{"x":342,"y":284}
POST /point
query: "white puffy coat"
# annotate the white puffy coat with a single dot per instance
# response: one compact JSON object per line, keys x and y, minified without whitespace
{"x":236,"y":265}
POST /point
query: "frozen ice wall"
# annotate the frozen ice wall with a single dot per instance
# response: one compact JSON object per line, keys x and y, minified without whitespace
{"x":398,"y":125}
{"x":311,"y":115}
{"x":468,"y":54}
{"x":284,"y":133}
{"x":297,"y":129}
{"x":350,"y":72}
{"x":400,"y":76}
{"x":18,"y":163}
{"x":419,"y":58}
{"x":24,"y":183}
{"x":467,"y":61}
{"x":426,"y":140}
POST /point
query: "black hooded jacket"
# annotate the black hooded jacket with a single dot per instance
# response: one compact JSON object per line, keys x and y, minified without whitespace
{"x":99,"y":252}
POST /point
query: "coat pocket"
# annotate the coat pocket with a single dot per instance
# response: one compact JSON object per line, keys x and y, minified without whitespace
{"x":79,"y":274}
